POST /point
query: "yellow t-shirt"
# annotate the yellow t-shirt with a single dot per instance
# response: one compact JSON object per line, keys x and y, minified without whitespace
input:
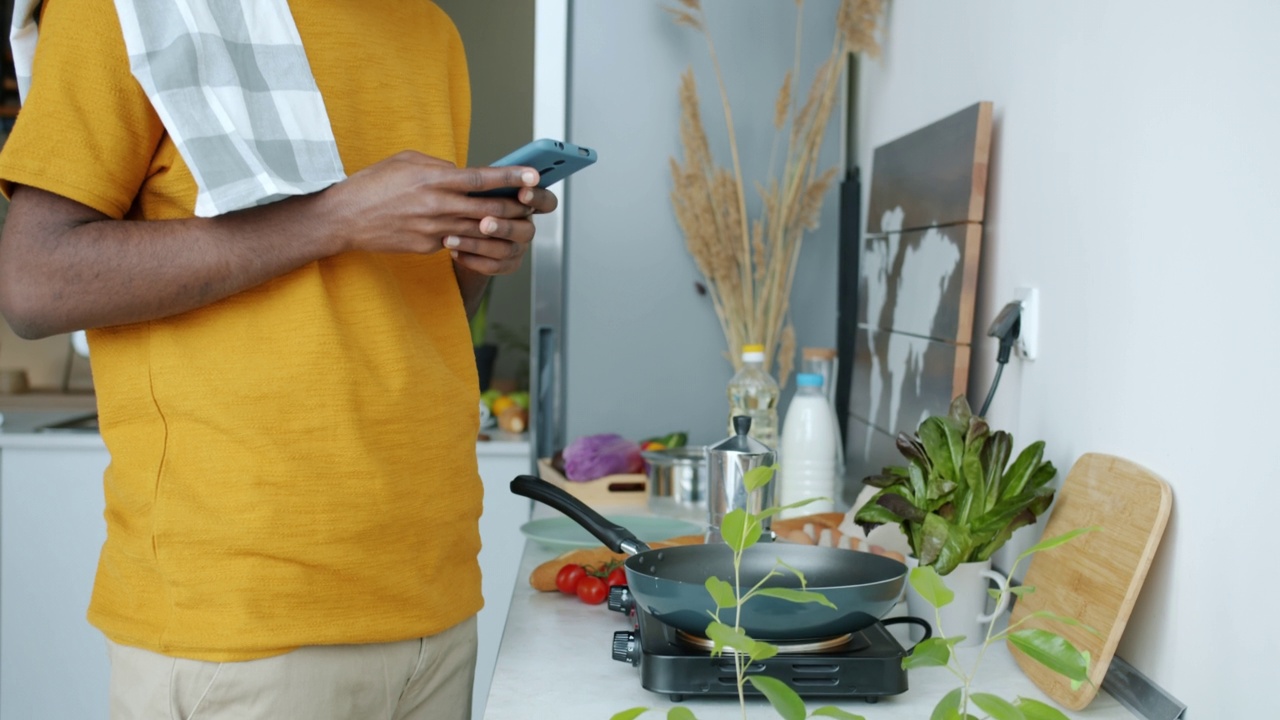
{"x":294,"y":465}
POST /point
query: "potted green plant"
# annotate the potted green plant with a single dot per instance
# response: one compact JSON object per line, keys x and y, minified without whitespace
{"x":958,"y":499}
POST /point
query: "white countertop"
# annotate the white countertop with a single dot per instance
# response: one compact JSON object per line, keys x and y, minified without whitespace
{"x":555,"y":663}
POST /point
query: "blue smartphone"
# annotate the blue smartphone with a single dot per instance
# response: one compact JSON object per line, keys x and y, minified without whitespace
{"x":554,"y":160}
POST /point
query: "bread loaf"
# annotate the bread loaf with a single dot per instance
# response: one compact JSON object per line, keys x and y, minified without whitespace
{"x":543,"y":577}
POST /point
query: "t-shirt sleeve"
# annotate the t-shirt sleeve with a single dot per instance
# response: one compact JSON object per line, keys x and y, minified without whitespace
{"x":86,"y":131}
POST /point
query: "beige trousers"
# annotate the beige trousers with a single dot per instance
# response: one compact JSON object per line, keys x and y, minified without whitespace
{"x":429,"y":677}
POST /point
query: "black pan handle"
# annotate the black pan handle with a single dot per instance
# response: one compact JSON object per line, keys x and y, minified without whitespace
{"x":615,"y":537}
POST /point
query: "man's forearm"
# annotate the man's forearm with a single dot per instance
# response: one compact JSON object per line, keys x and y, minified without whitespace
{"x":66,"y":267}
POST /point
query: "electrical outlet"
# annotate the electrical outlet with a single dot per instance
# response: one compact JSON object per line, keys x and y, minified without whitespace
{"x":1027,"y":344}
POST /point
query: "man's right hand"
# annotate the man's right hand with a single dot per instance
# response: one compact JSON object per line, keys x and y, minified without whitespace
{"x":410,"y":202}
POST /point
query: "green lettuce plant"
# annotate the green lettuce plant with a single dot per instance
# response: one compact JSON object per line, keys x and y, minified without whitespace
{"x":741,"y":530}
{"x":958,"y":499}
{"x":1047,"y":648}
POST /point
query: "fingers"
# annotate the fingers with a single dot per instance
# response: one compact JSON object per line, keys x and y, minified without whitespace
{"x":488,"y":256}
{"x":493,"y":178}
{"x":539,"y":200}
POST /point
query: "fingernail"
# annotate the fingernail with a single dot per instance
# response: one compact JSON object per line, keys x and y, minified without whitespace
{"x":526,"y":195}
{"x":452,"y":241}
{"x":529,"y":177}
{"x":489,"y":226}
{"x":453,"y":254}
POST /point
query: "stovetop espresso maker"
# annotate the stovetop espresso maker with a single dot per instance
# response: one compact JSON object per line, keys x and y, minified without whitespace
{"x":727,"y":465}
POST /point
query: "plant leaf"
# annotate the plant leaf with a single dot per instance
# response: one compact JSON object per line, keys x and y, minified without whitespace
{"x":913,"y":450}
{"x":783,"y":698}
{"x":1062,"y":539}
{"x":997,"y":707}
{"x":884,"y":481}
{"x":733,"y":638}
{"x":957,"y":544}
{"x":797,"y":596}
{"x":872,"y":514}
{"x":681,"y":713}
{"x":764,"y":651}
{"x":758,"y":477}
{"x":722,"y":592}
{"x":630,"y":714}
{"x":1052,"y":651}
{"x":928,"y":583}
{"x":771,"y":511}
{"x":995,"y":455}
{"x":933,"y":535}
{"x":893,"y":500}
{"x":933,"y":435}
{"x":794,"y":571}
{"x":832,"y":711}
{"x":948,"y":708}
{"x":1016,"y":479}
{"x":934,"y":652}
{"x":1036,"y":710}
{"x":739,"y":529}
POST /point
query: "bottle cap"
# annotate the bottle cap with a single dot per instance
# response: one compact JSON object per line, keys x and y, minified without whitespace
{"x":753,"y":352}
{"x":808,"y":380}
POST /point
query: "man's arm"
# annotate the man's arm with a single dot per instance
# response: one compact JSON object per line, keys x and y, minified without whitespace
{"x":65,"y":266}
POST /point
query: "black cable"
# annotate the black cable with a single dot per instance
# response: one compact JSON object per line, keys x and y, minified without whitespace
{"x":991,"y":393}
{"x":1006,"y":328}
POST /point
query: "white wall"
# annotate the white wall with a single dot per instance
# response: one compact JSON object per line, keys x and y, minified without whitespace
{"x":645,"y":353}
{"x":1133,"y":179}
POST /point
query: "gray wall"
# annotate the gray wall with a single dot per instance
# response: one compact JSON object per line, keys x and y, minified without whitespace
{"x":645,"y":353}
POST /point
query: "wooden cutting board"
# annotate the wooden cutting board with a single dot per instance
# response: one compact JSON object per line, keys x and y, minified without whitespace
{"x":1096,"y":577}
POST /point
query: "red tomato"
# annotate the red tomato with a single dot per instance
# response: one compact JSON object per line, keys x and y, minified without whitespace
{"x":617,"y":576}
{"x":568,"y":578}
{"x":592,"y":590}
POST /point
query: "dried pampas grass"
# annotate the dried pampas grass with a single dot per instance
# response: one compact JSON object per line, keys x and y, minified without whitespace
{"x":749,"y":264}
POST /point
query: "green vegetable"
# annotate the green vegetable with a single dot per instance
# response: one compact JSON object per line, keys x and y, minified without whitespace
{"x":955,"y":501}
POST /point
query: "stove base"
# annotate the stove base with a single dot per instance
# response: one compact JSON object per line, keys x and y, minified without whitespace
{"x":868,"y":667}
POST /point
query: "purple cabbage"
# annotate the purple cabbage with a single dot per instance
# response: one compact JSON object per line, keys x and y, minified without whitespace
{"x":591,"y":457}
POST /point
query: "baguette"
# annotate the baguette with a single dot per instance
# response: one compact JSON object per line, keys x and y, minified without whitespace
{"x":543,"y":578}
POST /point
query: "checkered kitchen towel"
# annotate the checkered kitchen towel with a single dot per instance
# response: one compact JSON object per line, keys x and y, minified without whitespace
{"x":232,"y":85}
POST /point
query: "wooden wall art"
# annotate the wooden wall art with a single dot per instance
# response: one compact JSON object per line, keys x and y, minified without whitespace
{"x":917,"y":279}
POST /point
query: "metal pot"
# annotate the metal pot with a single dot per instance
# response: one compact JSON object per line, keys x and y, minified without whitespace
{"x":677,"y":476}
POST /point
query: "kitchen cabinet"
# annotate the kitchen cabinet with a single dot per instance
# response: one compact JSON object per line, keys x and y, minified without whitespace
{"x":53,"y":664}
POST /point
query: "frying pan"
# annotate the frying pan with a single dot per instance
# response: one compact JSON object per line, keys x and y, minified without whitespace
{"x":669,"y":583}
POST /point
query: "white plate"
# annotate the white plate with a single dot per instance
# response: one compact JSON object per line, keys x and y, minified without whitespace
{"x":561,"y":533}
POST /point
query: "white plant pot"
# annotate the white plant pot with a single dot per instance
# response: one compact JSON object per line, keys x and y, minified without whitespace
{"x":967,"y":613}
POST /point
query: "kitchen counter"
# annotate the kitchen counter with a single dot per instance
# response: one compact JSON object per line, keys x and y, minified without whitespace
{"x":555,"y":662}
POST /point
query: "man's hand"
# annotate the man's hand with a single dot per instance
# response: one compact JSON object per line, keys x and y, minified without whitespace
{"x":411,"y":202}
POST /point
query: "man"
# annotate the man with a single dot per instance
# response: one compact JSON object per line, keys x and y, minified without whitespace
{"x":288,"y":392}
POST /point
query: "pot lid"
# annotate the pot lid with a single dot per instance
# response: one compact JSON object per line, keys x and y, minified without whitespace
{"x":740,"y":441}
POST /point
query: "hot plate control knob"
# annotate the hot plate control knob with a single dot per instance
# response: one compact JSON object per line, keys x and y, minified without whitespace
{"x":620,"y":599}
{"x":625,"y":647}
